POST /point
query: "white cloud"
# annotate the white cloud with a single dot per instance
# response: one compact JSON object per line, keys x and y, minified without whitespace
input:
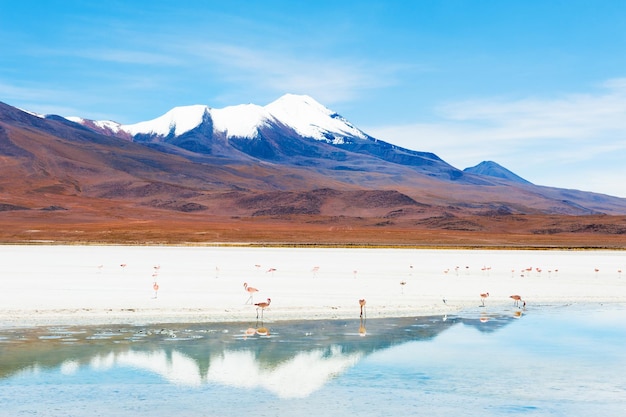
{"x":127,"y":53}
{"x":569,"y":139}
{"x":572,"y":116}
{"x":43,"y":100}
{"x":11,"y":92}
{"x":330,"y":80}
{"x":122,"y":56}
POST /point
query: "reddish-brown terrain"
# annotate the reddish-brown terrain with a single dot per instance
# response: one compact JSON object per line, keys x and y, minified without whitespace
{"x":107,"y":223}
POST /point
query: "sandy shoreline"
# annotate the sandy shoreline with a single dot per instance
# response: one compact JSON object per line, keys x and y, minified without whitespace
{"x":36,"y":318}
{"x":84,"y":285}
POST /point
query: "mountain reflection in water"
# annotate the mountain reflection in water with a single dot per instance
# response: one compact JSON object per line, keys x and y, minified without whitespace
{"x":288,"y":359}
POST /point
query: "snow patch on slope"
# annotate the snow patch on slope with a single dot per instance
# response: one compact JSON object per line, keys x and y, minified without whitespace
{"x":107,"y":125}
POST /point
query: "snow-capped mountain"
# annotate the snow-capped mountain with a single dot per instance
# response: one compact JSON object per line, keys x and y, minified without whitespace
{"x":294,"y":129}
{"x":292,"y":157}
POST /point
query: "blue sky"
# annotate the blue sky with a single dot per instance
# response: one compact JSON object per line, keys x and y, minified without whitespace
{"x":538,"y":86}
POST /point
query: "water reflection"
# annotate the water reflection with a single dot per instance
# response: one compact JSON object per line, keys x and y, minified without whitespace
{"x":288,"y":359}
{"x":362,"y":329}
{"x":173,"y":366}
{"x":294,"y":377}
{"x":562,"y":361}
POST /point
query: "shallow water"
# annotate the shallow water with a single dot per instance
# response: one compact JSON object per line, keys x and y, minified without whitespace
{"x":542,"y":362}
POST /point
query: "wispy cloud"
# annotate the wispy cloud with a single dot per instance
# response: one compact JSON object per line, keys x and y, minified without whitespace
{"x":130,"y":56}
{"x":531,"y":135}
{"x":121,"y":52}
{"x":571,"y":116}
{"x":267,"y":71}
{"x":591,"y":121}
{"x":329,"y":79}
{"x":31,"y":93}
{"x":44,"y":100}
{"x":38,"y":99}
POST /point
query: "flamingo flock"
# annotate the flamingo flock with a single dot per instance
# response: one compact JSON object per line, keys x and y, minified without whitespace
{"x":518,"y":300}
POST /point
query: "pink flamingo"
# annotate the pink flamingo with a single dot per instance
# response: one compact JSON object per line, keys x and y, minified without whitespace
{"x":483,"y":296}
{"x":517,"y":299}
{"x":251,"y":291}
{"x":262,"y":306}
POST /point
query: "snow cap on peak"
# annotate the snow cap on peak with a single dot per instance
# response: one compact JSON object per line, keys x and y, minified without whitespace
{"x":301,"y":101}
{"x":311,"y":119}
{"x":179,"y":120}
{"x":297,"y":107}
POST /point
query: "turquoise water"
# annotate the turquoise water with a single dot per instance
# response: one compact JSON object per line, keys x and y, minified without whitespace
{"x":559,"y":361}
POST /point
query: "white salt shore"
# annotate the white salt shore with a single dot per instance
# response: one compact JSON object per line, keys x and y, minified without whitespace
{"x":85,"y":285}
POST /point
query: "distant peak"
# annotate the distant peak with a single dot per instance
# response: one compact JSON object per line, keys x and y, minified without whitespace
{"x":493,"y":169}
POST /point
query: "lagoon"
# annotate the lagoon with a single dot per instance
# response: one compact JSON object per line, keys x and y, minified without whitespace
{"x":549,"y":361}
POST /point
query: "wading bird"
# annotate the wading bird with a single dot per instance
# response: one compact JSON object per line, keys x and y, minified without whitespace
{"x":482,"y":298}
{"x":362,"y":304}
{"x":517,"y":299}
{"x":262,"y":306}
{"x":251,"y":291}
